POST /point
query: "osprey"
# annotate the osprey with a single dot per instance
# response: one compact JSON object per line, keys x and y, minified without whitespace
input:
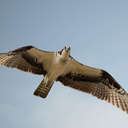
{"x":60,"y":66}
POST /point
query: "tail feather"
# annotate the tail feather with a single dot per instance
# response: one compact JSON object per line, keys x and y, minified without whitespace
{"x":43,"y":89}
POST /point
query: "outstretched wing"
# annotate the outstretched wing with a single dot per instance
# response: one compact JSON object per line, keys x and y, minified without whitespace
{"x":28,"y":59}
{"x":97,"y":82}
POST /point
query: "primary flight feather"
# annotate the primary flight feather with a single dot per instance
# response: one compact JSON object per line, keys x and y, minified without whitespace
{"x":60,"y":66}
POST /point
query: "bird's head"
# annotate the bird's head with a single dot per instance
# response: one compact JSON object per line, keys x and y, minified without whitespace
{"x":64,"y":53}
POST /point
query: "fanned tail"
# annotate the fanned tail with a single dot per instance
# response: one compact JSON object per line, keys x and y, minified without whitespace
{"x":43,"y":89}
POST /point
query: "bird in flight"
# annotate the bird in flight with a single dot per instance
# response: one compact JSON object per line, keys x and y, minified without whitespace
{"x":61,"y":66}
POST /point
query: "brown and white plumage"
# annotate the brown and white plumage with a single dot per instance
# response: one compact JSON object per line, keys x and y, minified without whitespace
{"x":60,"y":66}
{"x":29,"y":59}
{"x":23,"y":59}
{"x":96,"y":82}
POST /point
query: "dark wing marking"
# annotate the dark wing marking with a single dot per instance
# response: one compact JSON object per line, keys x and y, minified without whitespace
{"x":23,"y":59}
{"x":103,"y":86}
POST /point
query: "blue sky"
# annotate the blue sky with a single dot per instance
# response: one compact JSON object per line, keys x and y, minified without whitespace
{"x":97,"y":32}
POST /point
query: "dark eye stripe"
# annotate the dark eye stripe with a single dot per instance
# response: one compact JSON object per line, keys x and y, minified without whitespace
{"x":60,"y":52}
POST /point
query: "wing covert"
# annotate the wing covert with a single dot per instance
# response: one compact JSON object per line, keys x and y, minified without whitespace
{"x":28,"y":59}
{"x":97,"y":82}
